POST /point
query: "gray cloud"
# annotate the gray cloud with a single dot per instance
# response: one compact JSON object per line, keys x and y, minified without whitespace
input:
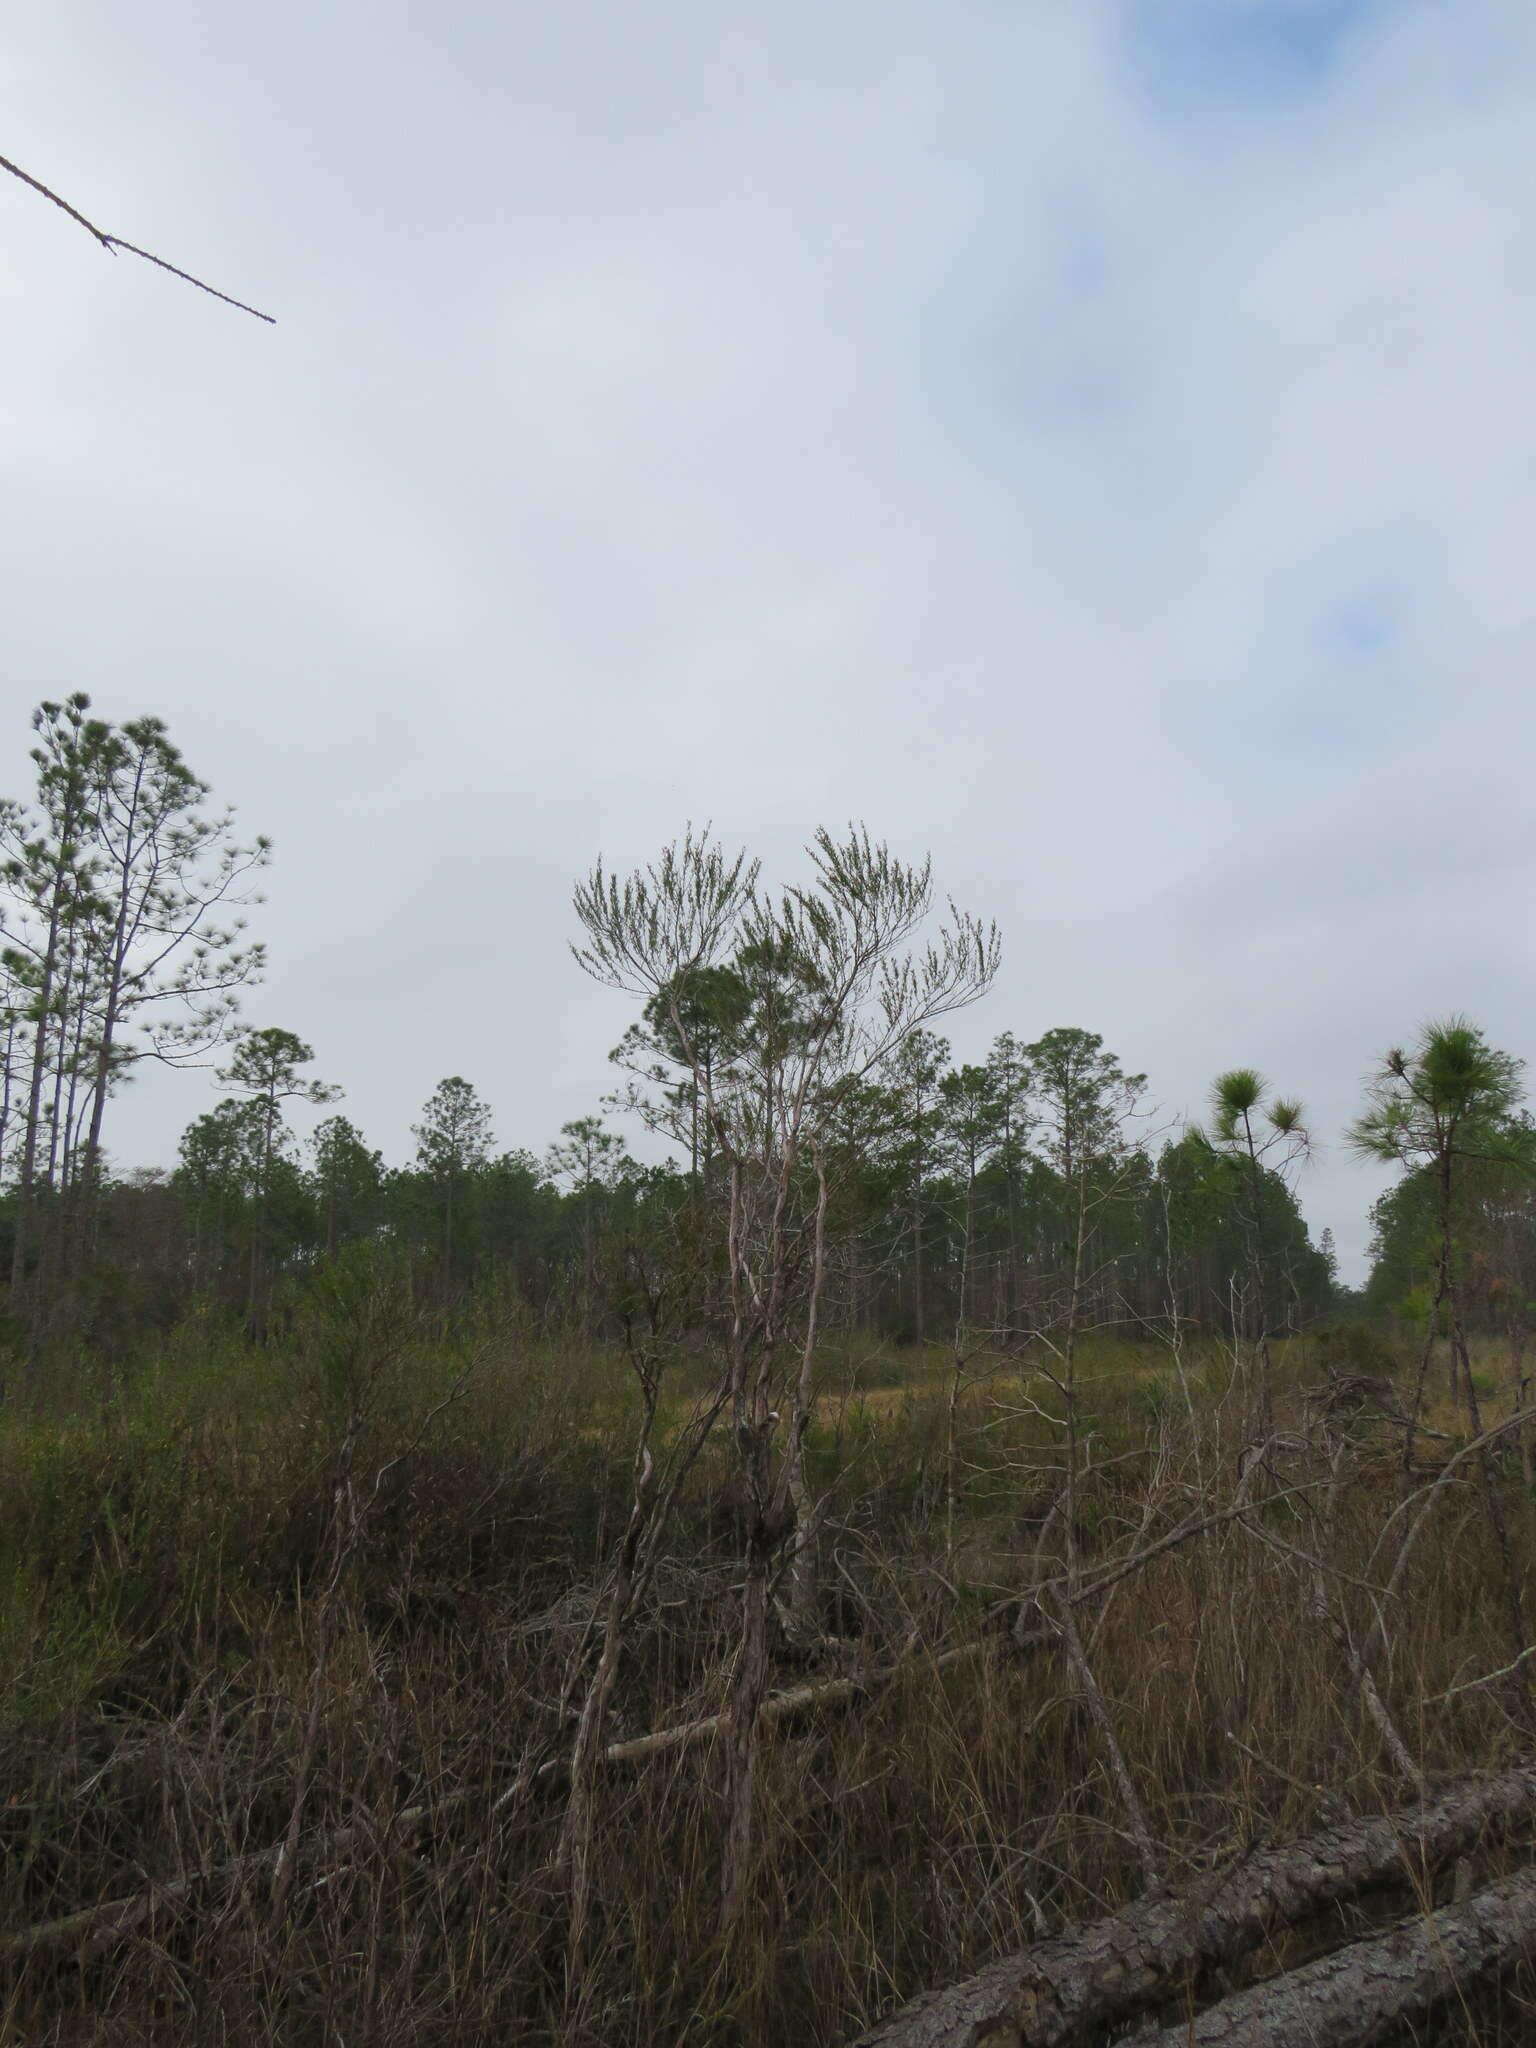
{"x":1051,"y":445}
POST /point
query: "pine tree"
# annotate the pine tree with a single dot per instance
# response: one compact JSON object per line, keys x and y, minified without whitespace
{"x":453,"y":1140}
{"x":265,"y":1069}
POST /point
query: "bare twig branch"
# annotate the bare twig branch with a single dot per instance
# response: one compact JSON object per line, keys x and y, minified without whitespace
{"x":112,"y":243}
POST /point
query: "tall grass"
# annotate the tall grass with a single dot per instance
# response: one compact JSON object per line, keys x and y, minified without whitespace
{"x":165,"y":1551}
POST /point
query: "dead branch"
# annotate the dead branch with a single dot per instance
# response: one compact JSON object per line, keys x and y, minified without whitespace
{"x":1067,"y":1990}
{"x":95,"y":1928}
{"x":1098,"y":1708}
{"x":1194,"y":1525}
{"x":1428,"y":1495}
{"x":112,"y":243}
{"x":1472,"y":1684}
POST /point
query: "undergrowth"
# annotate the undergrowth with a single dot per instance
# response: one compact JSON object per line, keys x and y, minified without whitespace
{"x":167,"y":1642}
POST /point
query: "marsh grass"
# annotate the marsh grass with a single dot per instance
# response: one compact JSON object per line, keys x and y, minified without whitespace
{"x":163,"y":1556}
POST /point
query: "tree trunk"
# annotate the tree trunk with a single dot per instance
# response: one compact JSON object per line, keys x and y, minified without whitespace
{"x":800,"y":1612}
{"x":1370,"y":1989}
{"x":34,"y":1111}
{"x":748,"y":1690}
{"x":1520,"y":1390}
{"x":919,"y":1318}
{"x":1260,"y":1278}
{"x":574,"y":1855}
{"x":1067,"y":1991}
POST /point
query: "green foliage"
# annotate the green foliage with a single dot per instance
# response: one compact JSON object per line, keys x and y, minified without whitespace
{"x":454,"y":1135}
{"x":116,"y":946}
{"x":1236,"y":1095}
{"x":1445,"y":1099}
{"x":1084,"y":1101}
{"x":1461,"y":1220}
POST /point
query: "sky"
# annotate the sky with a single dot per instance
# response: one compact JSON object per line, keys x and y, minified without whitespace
{"x":1088,"y":441}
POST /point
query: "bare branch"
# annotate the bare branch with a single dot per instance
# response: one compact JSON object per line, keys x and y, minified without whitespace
{"x":112,"y":243}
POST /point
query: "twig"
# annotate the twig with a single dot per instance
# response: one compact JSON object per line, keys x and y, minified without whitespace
{"x":112,"y":243}
{"x":97,"y":1927}
{"x":1435,"y":1699}
{"x":1098,"y":1708}
{"x":1316,"y":1791}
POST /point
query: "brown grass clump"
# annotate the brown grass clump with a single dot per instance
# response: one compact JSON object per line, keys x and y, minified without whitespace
{"x":338,"y":1595}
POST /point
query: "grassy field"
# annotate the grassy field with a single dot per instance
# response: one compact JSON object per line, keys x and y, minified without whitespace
{"x":193,"y":1664}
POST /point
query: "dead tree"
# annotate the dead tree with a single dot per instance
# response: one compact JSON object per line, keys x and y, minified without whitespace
{"x":770,"y":1011}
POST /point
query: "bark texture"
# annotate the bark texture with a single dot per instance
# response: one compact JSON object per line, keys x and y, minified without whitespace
{"x":1067,"y":1989}
{"x":1367,"y":1991}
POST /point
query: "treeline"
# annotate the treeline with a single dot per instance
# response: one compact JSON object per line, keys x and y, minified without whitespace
{"x":951,"y":1206}
{"x":991,"y":1195}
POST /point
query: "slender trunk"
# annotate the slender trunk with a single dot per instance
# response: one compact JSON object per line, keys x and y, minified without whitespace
{"x":748,"y":1689}
{"x":589,"y":1263}
{"x":1420,"y":1386}
{"x":1011,"y":1306}
{"x":1069,"y":1383}
{"x":967,"y":1287}
{"x":1520,"y":1391}
{"x":55,"y":1247}
{"x":74,"y":1102}
{"x":749,"y":1677}
{"x":574,"y":1854}
{"x":1447,"y":1289}
{"x":1461,"y":1380}
{"x":1098,"y":1708}
{"x":919,"y":1322}
{"x":7,"y":1086}
{"x":257,"y":1299}
{"x":90,"y":1172}
{"x":61,"y":1059}
{"x":78,"y":1233}
{"x":1259,"y":1279}
{"x":766,"y":1516}
{"x":952,"y":1405}
{"x":801,"y":1611}
{"x":25,"y":1185}
{"x":198,"y":1274}
{"x":66,"y":883}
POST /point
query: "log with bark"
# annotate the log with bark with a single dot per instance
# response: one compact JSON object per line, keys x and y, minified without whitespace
{"x":1368,"y":1990}
{"x":1067,"y":1989}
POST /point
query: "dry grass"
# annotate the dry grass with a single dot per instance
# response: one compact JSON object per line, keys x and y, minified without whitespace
{"x":163,"y":1650}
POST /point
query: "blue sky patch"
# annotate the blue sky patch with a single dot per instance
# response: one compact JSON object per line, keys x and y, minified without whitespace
{"x":1357,"y":627}
{"x":1190,"y":58}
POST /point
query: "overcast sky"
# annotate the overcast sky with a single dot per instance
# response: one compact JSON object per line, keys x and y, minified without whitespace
{"x":1090,"y":440}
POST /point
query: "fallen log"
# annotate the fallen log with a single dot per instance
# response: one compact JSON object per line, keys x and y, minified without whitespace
{"x":1369,"y":1989}
{"x":1066,"y":1989}
{"x":95,"y":1928}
